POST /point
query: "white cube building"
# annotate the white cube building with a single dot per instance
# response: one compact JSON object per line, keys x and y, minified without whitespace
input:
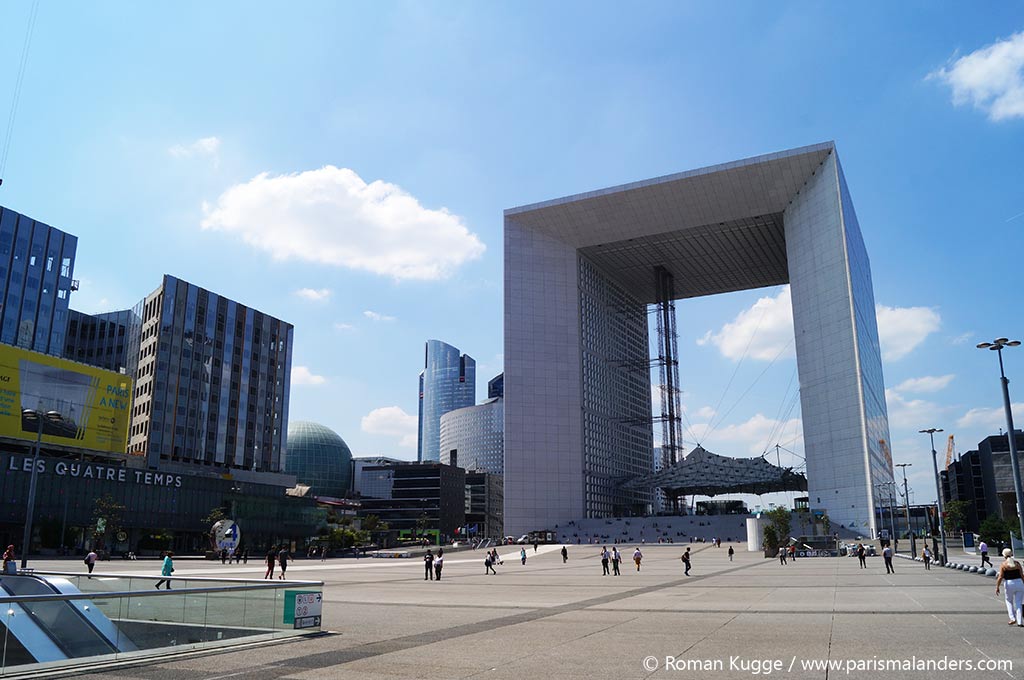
{"x":579,"y":274}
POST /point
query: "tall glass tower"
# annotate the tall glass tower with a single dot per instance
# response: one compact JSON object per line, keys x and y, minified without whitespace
{"x":448,"y":382}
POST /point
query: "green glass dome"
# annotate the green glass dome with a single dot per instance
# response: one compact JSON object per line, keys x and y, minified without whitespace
{"x":317,"y":456}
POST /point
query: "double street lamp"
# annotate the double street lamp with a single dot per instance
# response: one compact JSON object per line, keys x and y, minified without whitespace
{"x":938,"y":488}
{"x":39,"y":416}
{"x":997,"y":346}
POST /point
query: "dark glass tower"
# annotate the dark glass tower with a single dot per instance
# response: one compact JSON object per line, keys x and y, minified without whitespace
{"x":212,"y":378}
{"x":37,"y":263}
{"x":448,"y":382}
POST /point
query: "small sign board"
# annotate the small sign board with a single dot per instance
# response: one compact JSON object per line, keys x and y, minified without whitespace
{"x":303,"y":608}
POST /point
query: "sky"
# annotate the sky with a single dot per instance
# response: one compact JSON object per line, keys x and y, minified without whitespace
{"x":344,"y":167}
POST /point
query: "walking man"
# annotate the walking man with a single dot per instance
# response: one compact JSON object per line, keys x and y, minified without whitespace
{"x":862,"y":556}
{"x":637,"y":556}
{"x":731,"y":552}
{"x":605,"y":556}
{"x":90,"y":560}
{"x":428,"y":563}
{"x":439,"y":563}
{"x":983,"y":549}
{"x":926,"y":555}
{"x":887,"y":556}
{"x":489,"y":565}
{"x":616,"y":558}
{"x":565,"y":555}
{"x":686,"y":561}
{"x":271,"y":562}
{"x":782,"y":556}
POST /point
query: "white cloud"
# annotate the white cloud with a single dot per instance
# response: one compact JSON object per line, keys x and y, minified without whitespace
{"x":331,"y":216}
{"x":902,"y":329}
{"x":207,"y":146}
{"x":990,"y":419}
{"x":928,"y":383}
{"x":314,"y":294}
{"x":912,"y":414}
{"x":962,"y":338}
{"x":301,"y":375}
{"x":752,"y":435}
{"x":377,"y":316}
{"x":990,"y":78}
{"x":705,"y":412}
{"x":340,"y":326}
{"x":767,"y":327}
{"x":392,"y":421}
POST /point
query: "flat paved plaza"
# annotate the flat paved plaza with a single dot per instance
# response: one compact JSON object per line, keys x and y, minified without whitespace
{"x":738,"y":619}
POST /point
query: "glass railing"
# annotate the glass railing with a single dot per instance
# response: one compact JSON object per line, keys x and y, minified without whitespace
{"x":55,"y":620}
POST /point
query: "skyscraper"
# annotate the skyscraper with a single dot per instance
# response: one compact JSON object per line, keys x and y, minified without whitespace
{"x":448,"y":382}
{"x":37,"y":263}
{"x":212,"y":380}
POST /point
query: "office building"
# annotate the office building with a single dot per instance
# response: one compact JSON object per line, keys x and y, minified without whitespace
{"x":997,"y":449}
{"x":448,"y":382}
{"x":485,"y":500}
{"x":102,"y":340}
{"x":473,"y":438}
{"x":377,"y":484}
{"x":970,"y":479}
{"x":580,"y":273}
{"x":427,"y":496}
{"x":496,"y":386}
{"x":37,"y":264}
{"x":319,"y":458}
{"x":212,"y":380}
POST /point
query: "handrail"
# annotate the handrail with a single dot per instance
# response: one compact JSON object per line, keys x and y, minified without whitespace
{"x":94,"y":595}
{"x":104,"y":574}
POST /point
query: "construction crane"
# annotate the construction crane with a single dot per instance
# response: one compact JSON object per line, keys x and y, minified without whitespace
{"x":949,"y":451}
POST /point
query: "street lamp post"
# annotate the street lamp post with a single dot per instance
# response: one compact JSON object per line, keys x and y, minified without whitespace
{"x":938,"y":487}
{"x":906,"y":505}
{"x":38,"y":414}
{"x":997,"y":345}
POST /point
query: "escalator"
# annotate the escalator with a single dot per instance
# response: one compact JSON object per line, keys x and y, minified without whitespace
{"x":53,"y":630}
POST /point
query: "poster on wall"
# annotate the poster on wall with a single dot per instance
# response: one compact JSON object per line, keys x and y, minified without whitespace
{"x":86,"y":407}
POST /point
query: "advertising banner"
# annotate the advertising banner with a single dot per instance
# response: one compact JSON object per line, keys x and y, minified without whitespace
{"x":93,"y":403}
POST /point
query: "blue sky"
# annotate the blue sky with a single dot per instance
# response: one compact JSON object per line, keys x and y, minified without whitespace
{"x":345,"y":166}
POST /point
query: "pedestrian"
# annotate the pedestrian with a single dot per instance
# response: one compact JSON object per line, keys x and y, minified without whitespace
{"x":245,"y":556}
{"x":488,"y":565}
{"x":282,"y":558}
{"x":605,"y":556}
{"x":782,"y":556}
{"x":223,"y":555}
{"x":535,"y":546}
{"x":686,"y":561}
{"x":616,"y":559}
{"x":166,"y":570}
{"x":238,"y":555}
{"x":731,"y":552}
{"x":90,"y":560}
{"x":637,"y":556}
{"x":438,"y":563}
{"x":323,"y":553}
{"x":522,"y":555}
{"x":887,"y":556}
{"x":926,"y":556}
{"x":10,"y":564}
{"x":271,"y":561}
{"x":862,"y":555}
{"x":792,"y":552}
{"x":1010,"y":572}
{"x":983,"y":549}
{"x":565,"y":555}
{"x":428,"y":565}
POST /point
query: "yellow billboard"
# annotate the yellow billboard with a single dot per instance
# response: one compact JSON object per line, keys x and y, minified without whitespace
{"x":83,"y":406}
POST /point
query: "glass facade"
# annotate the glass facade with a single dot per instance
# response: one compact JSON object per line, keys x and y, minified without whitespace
{"x":869,"y":352}
{"x":477,"y":435}
{"x":36,"y":268}
{"x":317,"y":456}
{"x":617,"y":437}
{"x":101,"y":340}
{"x":448,"y":382}
{"x":212,"y":380}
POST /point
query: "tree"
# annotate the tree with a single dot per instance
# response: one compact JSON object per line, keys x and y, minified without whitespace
{"x":956,"y":515}
{"x":771,"y":541}
{"x":780,"y":519}
{"x":373,"y":524}
{"x":107,"y":515}
{"x":826,"y":524}
{"x":995,"y":530}
{"x":215,"y":515}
